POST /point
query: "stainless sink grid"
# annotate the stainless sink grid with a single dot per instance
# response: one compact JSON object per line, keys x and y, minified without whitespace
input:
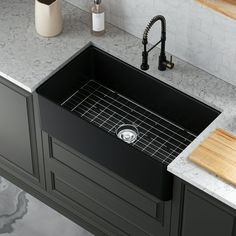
{"x":158,"y":137}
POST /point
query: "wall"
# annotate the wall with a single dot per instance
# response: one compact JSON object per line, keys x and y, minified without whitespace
{"x":195,"y":33}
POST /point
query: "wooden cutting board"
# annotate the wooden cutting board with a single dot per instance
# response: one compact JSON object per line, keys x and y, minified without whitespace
{"x":227,"y":7}
{"x":217,"y":154}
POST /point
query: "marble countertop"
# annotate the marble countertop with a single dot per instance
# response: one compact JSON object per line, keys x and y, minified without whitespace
{"x":27,"y":60}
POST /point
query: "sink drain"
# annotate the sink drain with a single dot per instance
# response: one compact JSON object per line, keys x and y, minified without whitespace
{"x":128,"y":133}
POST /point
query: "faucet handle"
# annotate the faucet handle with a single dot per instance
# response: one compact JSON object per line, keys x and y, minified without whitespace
{"x":169,"y":64}
{"x":144,"y":65}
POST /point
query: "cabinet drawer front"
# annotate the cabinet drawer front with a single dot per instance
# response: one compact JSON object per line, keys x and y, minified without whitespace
{"x":76,"y":199}
{"x":102,"y":202}
{"x":79,"y":164}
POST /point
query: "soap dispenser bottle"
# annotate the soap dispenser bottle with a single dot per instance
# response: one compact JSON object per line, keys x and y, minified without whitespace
{"x":98,"y":18}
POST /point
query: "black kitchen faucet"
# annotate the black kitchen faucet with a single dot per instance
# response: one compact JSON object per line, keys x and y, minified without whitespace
{"x":163,"y":62}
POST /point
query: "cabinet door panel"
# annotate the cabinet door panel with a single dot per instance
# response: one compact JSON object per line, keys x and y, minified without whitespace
{"x":14,"y":129}
{"x":201,"y":217}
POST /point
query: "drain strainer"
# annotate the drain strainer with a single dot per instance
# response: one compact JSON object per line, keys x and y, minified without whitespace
{"x":128,"y":133}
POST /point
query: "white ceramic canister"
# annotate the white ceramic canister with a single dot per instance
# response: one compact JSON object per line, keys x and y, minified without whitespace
{"x":48,"y":17}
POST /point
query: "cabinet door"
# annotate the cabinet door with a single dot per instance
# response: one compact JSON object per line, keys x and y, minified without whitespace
{"x":202,"y":217}
{"x":17,"y":138}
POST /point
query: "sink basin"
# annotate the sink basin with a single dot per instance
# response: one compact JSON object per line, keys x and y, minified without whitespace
{"x":124,"y":119}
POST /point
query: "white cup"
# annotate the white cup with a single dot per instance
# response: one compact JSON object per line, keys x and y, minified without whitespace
{"x":48,"y":17}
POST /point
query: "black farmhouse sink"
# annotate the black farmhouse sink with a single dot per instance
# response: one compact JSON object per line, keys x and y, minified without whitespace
{"x":96,"y":97}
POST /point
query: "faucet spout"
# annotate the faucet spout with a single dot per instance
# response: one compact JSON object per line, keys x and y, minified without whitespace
{"x":163,"y":63}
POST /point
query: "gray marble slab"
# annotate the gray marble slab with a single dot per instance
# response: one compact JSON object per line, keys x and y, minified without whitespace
{"x":22,"y":214}
{"x":28,"y":59}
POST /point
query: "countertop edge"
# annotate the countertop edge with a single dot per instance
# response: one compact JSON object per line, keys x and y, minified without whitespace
{"x":15,"y":82}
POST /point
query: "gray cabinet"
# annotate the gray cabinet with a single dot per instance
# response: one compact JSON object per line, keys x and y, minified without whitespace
{"x":197,"y":213}
{"x":203,"y":217}
{"x":18,"y":145}
{"x":89,"y":193}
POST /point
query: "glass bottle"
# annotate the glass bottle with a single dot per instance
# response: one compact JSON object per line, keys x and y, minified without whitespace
{"x":98,"y":18}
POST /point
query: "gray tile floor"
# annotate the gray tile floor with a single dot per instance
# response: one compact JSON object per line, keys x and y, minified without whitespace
{"x":23,"y":215}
